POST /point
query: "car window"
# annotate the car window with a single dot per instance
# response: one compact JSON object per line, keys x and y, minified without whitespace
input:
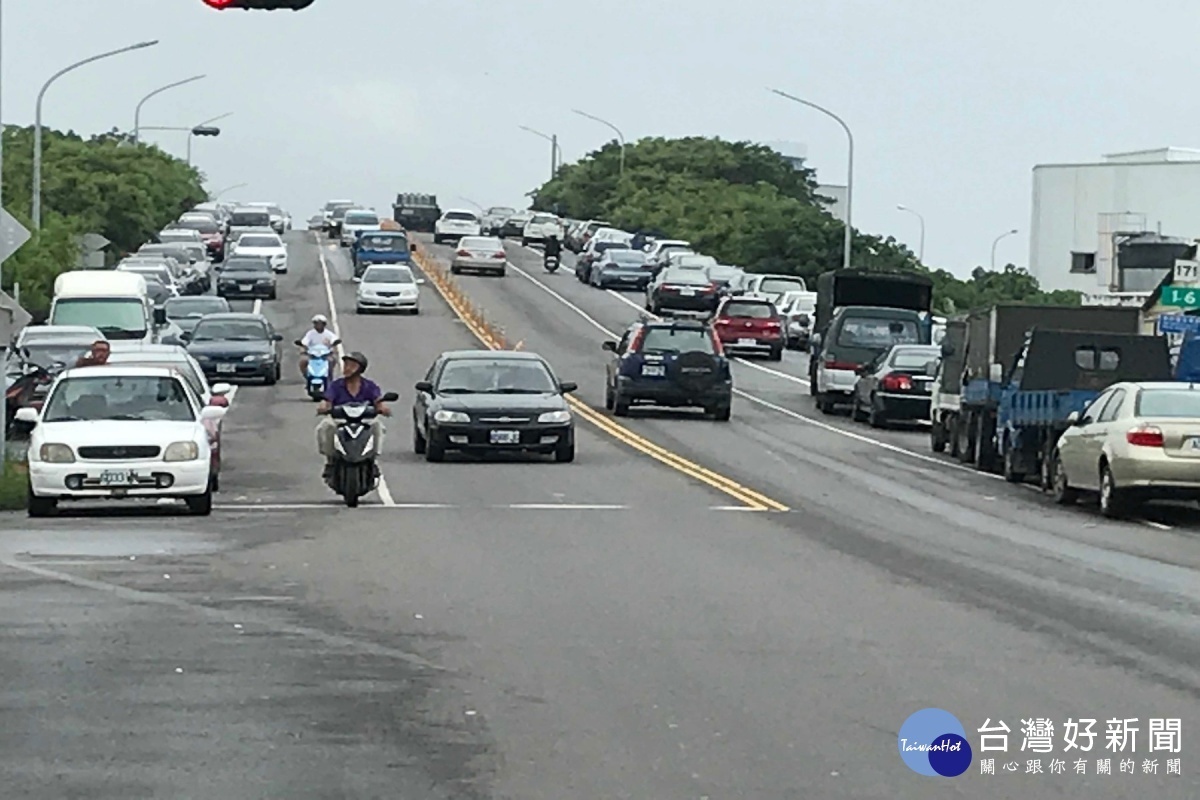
{"x":677,"y":340}
{"x":461,"y":216}
{"x":393,"y":243}
{"x":1092,"y":412}
{"x":387,"y":275}
{"x":259,"y":241}
{"x":877,"y":332}
{"x":626,"y":257}
{"x":480,"y":243}
{"x":205,"y":225}
{"x":781,"y":285}
{"x":238,"y":330}
{"x":914,"y":359}
{"x":542,"y":219}
{"x":183,"y":307}
{"x":362,"y":219}
{"x":749,"y":310}
{"x":250,"y":219}
{"x":180,"y":364}
{"x":247,"y":265}
{"x":1112,"y":407}
{"x":1184,"y":403}
{"x":495,"y":376}
{"x":119,"y":397}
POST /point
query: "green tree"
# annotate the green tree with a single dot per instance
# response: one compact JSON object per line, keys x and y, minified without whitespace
{"x":747,"y":205}
{"x":105,"y":184}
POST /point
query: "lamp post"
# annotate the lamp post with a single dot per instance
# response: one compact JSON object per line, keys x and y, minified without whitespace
{"x":620,"y":136}
{"x":472,"y":202}
{"x":36,"y":206}
{"x":226,"y":190}
{"x":1013,"y":232}
{"x":555,"y":150}
{"x":849,"y":168}
{"x":137,"y":113}
{"x":921,"y":246}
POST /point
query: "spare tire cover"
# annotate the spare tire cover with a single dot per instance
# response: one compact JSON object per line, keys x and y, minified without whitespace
{"x":694,"y":371}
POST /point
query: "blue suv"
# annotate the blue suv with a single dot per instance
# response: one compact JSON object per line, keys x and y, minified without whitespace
{"x":672,"y":363}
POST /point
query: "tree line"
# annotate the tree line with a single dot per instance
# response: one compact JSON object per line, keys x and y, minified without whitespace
{"x":103,"y":184}
{"x":747,"y":205}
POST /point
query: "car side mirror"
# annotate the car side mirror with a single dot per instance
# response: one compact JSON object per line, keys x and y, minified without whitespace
{"x":277,"y":337}
{"x":160,"y":316}
{"x":609,"y":346}
{"x":27,"y":414}
{"x":566,"y":387}
{"x":186,"y":336}
{"x":420,"y":281}
{"x":390,"y":397}
{"x":220,"y":389}
{"x":424,"y":386}
{"x":213,"y":412}
{"x":1074,"y":419}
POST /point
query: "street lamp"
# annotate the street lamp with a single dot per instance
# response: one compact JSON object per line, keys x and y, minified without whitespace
{"x":472,"y":202}
{"x":1013,"y":232}
{"x":921,"y":246}
{"x":37,"y":123}
{"x":849,"y":167}
{"x":226,"y":190}
{"x":620,"y":136}
{"x":137,"y":114}
{"x":555,"y":150}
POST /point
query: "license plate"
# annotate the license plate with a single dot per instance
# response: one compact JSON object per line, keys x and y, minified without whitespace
{"x":226,"y":368}
{"x":1193,"y":443}
{"x":506,"y":437}
{"x":747,"y":342}
{"x":114,"y":478}
{"x":246,"y":287}
{"x":654,"y":370}
{"x":688,"y":292}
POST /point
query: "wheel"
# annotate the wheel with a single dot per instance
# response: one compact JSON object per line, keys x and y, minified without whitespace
{"x":1114,"y":501}
{"x":824,"y":404}
{"x":454,"y":270}
{"x":437,"y":239}
{"x":418,"y":441}
{"x":216,"y":482}
{"x":620,"y":404}
{"x":875,"y":417}
{"x":435,"y":452}
{"x":965,"y":435}
{"x":937,"y":437}
{"x":350,"y":487}
{"x":502,"y":273}
{"x":608,"y":396}
{"x":201,"y":505}
{"x":776,"y":353}
{"x":722,"y":413}
{"x":358,"y":309}
{"x":39,"y":506}
{"x":524,"y":242}
{"x":272,"y":377}
{"x":1064,"y":493}
{"x":565,"y":452}
{"x":278,"y":371}
{"x":273,"y":295}
{"x":985,"y":445}
{"x":856,"y":411}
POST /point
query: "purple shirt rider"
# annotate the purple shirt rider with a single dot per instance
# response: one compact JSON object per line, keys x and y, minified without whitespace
{"x":338,"y":395}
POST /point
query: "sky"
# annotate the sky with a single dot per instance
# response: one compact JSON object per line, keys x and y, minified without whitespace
{"x":951,"y":103}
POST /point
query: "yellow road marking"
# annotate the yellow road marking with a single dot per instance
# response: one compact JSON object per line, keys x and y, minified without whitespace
{"x":493,"y":339}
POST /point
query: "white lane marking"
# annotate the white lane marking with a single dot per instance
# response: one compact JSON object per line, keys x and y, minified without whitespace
{"x":1156,"y":525}
{"x":565,"y":507}
{"x":565,"y":302}
{"x":385,"y":494}
{"x":257,"y":305}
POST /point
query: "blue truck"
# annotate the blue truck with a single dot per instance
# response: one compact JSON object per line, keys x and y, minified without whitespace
{"x":380,"y":247}
{"x":1018,"y":412}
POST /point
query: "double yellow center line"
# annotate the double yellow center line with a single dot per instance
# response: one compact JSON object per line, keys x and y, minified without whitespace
{"x":754,"y":501}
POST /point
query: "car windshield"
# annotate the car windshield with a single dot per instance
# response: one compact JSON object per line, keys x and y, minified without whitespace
{"x":235,"y":330}
{"x":387,"y":275}
{"x":781,"y":285}
{"x":878,"y":332}
{"x":460,"y":216}
{"x":482,"y":244}
{"x":626,"y":258}
{"x":119,"y":397}
{"x":362,"y":219}
{"x":247,"y":265}
{"x":749,"y":310}
{"x":495,"y":376}
{"x":251,"y":219}
{"x":914,"y":358}
{"x":184,"y":307}
{"x":205,"y":225}
{"x":677,"y":340}
{"x":108,"y":315}
{"x":1182,"y":403}
{"x":259,"y":241}
{"x":394,"y":244}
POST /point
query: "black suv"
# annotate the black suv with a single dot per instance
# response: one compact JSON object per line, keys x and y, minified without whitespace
{"x":674,"y":363}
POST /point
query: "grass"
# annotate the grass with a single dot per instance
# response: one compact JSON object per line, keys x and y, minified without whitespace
{"x":13,"y":486}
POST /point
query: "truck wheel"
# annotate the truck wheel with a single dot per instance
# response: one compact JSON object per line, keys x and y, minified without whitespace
{"x":1011,"y":473}
{"x":985,"y":446}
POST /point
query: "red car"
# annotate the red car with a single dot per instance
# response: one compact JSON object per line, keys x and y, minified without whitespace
{"x":751,"y":326}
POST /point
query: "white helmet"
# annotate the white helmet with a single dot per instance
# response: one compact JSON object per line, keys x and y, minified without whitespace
{"x":319,"y":318}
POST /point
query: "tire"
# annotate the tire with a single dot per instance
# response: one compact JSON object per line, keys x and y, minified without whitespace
{"x":856,"y":412}
{"x":722,"y":413}
{"x":216,"y":482}
{"x":273,"y":295}
{"x":1114,"y":501}
{"x":564,"y":453}
{"x":875,"y":417}
{"x":824,"y":404}
{"x":502,"y":273}
{"x":985,"y":448}
{"x":937,"y":437}
{"x":608,"y":396}
{"x":776,"y":354}
{"x":350,"y":486}
{"x":435,"y":452}
{"x":524,"y":242}
{"x":1064,"y":494}
{"x":39,"y":506}
{"x":1011,"y":474}
{"x":437,"y":239}
{"x":359,"y":310}
{"x":201,"y":505}
{"x":272,"y":377}
{"x":620,"y":404}
{"x":454,"y":270}
{"x":418,"y":441}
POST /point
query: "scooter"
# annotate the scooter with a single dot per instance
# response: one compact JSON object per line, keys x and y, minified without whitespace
{"x":316,"y":377}
{"x":355,"y":473}
{"x":26,"y":389}
{"x":550,"y":263}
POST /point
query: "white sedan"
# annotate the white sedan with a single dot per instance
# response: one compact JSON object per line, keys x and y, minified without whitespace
{"x":456,"y":224}
{"x":268,"y":245}
{"x":151,"y":441}
{"x":388,"y":287}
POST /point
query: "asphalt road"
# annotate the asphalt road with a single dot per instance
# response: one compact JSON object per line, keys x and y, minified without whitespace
{"x":611,"y":628}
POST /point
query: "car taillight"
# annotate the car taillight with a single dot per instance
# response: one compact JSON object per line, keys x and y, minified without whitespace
{"x":464,"y":253}
{"x":498,"y":255}
{"x":896,"y":383}
{"x":636,"y":343}
{"x":772,"y":324}
{"x":1145,"y":436}
{"x":831,"y":363}
{"x":722,"y":321}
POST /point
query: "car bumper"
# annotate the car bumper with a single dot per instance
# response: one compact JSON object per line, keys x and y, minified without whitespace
{"x":651,"y":391}
{"x":235,"y":370}
{"x":475,"y":437}
{"x":837,"y":381}
{"x":904,"y":407}
{"x":474,"y":265}
{"x":155,"y":479}
{"x":619,"y":281}
{"x":388,"y":302}
{"x":1157,"y":472}
{"x":753,"y":344}
{"x":258,"y":290}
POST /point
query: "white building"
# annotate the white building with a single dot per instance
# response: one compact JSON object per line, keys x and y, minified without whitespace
{"x":1085,"y":215}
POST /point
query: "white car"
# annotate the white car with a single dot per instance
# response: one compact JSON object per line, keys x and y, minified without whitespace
{"x":659,"y":249}
{"x":263,"y":244}
{"x":281,"y":221}
{"x":540,"y":228}
{"x":151,"y":440}
{"x":388,"y":287}
{"x":455,"y":224}
{"x":681,"y":259}
{"x":356,"y":221}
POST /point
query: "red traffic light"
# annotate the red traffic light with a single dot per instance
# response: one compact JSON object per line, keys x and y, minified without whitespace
{"x":263,"y":5}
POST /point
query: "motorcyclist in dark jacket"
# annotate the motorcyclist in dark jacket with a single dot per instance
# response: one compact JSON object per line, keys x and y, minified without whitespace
{"x":553,"y":247}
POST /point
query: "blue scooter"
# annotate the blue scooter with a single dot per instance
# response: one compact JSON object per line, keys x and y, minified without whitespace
{"x":316,"y":378}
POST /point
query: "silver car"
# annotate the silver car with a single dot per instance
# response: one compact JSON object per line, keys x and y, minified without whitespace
{"x":480,"y":254}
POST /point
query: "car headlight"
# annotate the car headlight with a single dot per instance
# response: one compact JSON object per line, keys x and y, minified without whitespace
{"x":258,"y":357}
{"x":199,"y":356}
{"x":450,"y":416}
{"x":56,"y":454}
{"x":182,"y":451}
{"x":555,"y":416}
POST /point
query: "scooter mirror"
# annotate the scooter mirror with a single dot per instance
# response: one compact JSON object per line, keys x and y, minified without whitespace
{"x":390,"y":397}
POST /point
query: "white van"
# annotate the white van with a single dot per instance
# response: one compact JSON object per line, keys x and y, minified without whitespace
{"x":116,"y":303}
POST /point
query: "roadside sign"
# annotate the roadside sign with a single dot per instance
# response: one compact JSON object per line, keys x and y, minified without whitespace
{"x":1178,"y":323}
{"x":1181,"y":296}
{"x":1187,"y":273}
{"x":91,"y":242}
{"x":13,"y":235}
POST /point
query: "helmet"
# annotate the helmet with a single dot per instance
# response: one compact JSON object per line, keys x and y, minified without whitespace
{"x":359,"y":359}
{"x":319,"y":318}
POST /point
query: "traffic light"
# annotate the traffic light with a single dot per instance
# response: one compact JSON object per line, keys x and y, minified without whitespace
{"x":205,"y":130}
{"x":265,"y":5}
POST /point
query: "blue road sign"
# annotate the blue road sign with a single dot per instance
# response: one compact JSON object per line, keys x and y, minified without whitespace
{"x":1178,"y":323}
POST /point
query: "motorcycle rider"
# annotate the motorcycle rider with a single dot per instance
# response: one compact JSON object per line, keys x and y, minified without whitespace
{"x":320,"y":333}
{"x":553,"y":249}
{"x":352,"y":387}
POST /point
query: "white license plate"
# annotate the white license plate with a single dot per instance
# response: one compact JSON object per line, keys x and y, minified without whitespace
{"x":226,"y":368}
{"x":747,"y":342}
{"x":1193,"y":443}
{"x":246,"y":287}
{"x":654,"y":370}
{"x":506,"y":437}
{"x":688,"y":292}
{"x":114,"y":478}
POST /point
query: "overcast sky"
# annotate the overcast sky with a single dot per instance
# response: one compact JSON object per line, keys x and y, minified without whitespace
{"x":951,"y":102}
